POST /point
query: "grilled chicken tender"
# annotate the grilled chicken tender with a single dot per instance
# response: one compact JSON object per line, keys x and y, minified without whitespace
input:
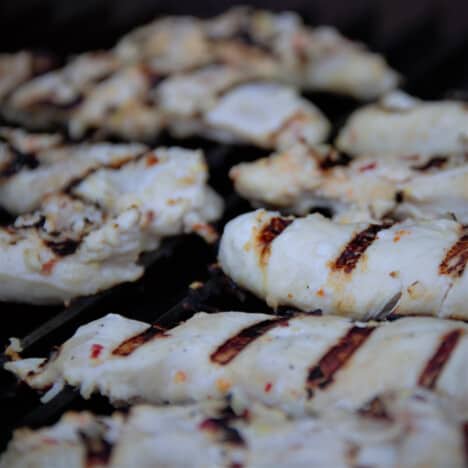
{"x":359,"y":270}
{"x":300,"y":363}
{"x":395,"y":430}
{"x":169,"y":188}
{"x":50,"y":98}
{"x":262,"y":113}
{"x":311,"y":58}
{"x":121,"y":106}
{"x":278,"y":43}
{"x":400,"y":125}
{"x":170,"y":44}
{"x":67,"y":249}
{"x":302,"y":177}
{"x":17,"y":68}
{"x":33,"y":165}
{"x":71,"y":248}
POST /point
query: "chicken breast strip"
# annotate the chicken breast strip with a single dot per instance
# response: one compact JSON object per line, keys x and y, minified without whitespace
{"x":67,"y":249}
{"x":359,"y":270}
{"x":261,"y":113}
{"x":50,"y":98}
{"x":137,"y":103}
{"x":51,"y":257}
{"x":310,"y":58}
{"x":395,"y":430}
{"x":17,"y":68}
{"x":303,"y":177}
{"x":300,"y":363}
{"x":401,"y":125}
{"x":34,"y":165}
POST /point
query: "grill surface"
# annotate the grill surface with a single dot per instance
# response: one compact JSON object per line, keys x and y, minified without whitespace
{"x":434,"y":66}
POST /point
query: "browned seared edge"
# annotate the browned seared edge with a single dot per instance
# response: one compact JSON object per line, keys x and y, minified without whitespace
{"x":435,"y":365}
{"x":227,"y":351}
{"x":356,"y":247}
{"x":131,"y":344}
{"x":269,"y":232}
{"x":98,"y":449}
{"x":435,"y":162}
{"x":376,"y":409}
{"x":321,"y":375}
{"x":455,"y":259}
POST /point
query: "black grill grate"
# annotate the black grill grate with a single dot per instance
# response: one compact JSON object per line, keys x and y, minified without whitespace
{"x":433,"y":66}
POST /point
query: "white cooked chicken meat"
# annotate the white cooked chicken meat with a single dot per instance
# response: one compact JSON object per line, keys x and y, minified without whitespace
{"x":168,"y":186}
{"x":49,"y":257}
{"x":311,"y":58}
{"x":261,"y":113}
{"x":120,"y":106}
{"x":299,"y":363}
{"x":394,"y":430}
{"x":17,"y":68}
{"x":67,"y":249}
{"x":51,"y":98}
{"x":33,"y":165}
{"x":362,"y":270}
{"x":303,"y":177}
{"x":401,"y":125}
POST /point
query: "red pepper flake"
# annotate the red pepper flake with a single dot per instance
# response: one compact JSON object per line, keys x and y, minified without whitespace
{"x":96,"y":350}
{"x":368,"y":167}
{"x":48,"y":266}
{"x":268,"y":386}
{"x":151,"y":160}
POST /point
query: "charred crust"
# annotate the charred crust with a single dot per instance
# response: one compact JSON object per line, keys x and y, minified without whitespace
{"x":455,"y":259}
{"x":19,"y":161}
{"x":322,"y":374}
{"x":268,"y":234}
{"x":434,"y":367}
{"x":231,"y":348}
{"x":153,"y":77}
{"x":465,"y":440}
{"x":98,"y":449}
{"x":355,"y":248}
{"x":128,"y":346}
{"x":436,"y":162}
{"x":375,"y":409}
{"x":223,"y":431}
{"x":333,"y":159}
{"x":63,"y":248}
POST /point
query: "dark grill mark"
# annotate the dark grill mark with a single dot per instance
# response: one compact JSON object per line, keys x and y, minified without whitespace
{"x":63,"y":248}
{"x":152,"y":77}
{"x":245,"y":37}
{"x":68,"y":189}
{"x":19,"y":161}
{"x":455,"y":259}
{"x":375,"y":409}
{"x":98,"y":450}
{"x":268,"y":234}
{"x":321,"y":375}
{"x":465,"y":441}
{"x":435,"y":162}
{"x":435,"y":365}
{"x":66,"y":105}
{"x":131,"y":344}
{"x":355,"y":248}
{"x":333,"y":159}
{"x":226,"y":352}
{"x":221,"y":428}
